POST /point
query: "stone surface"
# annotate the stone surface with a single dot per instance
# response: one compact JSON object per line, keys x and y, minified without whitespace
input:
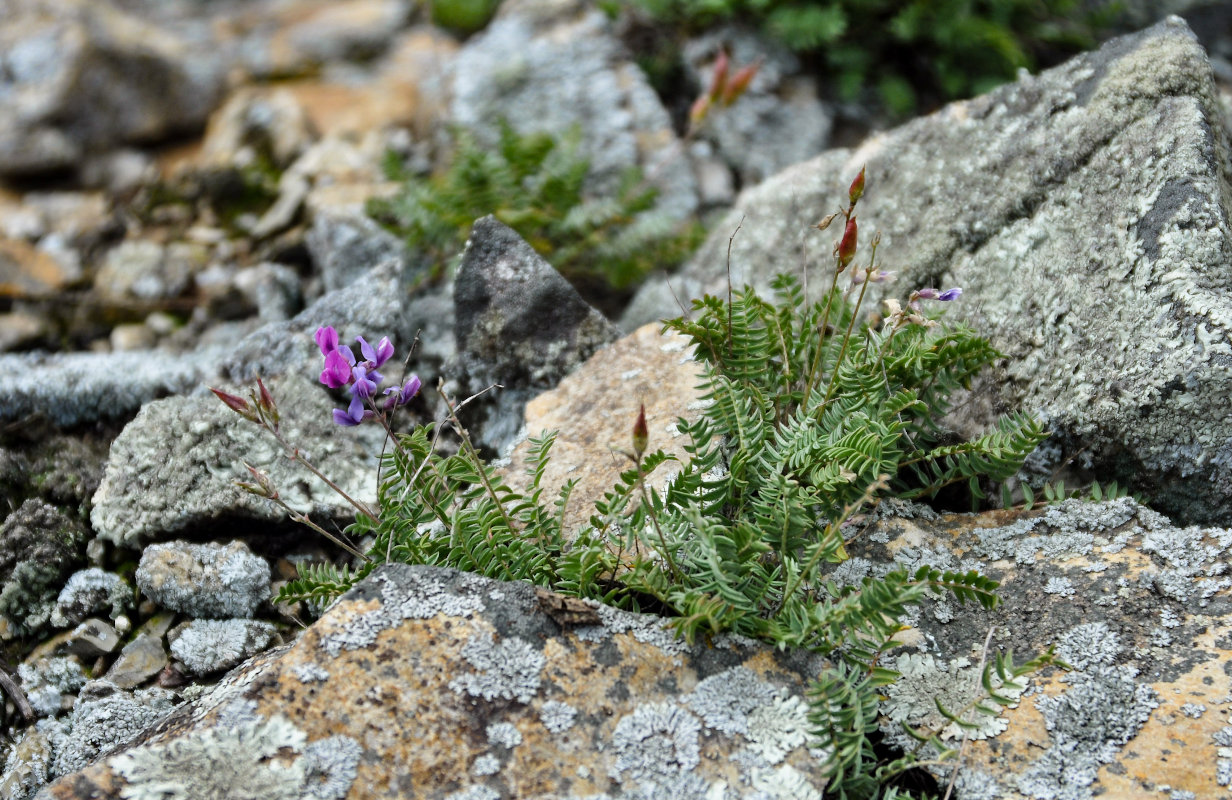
{"x":550,"y":66}
{"x":40,"y":546}
{"x":141,"y":659}
{"x":206,"y":646}
{"x":504,"y":702}
{"x":204,"y":580}
{"x":156,"y":485}
{"x":1085,"y":213}
{"x":593,"y":410}
{"x":1140,"y":608}
{"x":517,"y":323}
{"x":81,"y":76}
{"x":91,"y":592}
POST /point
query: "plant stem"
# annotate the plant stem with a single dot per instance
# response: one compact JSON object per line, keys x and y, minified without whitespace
{"x":295,"y":455}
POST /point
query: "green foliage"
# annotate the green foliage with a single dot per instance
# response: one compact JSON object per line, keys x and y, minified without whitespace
{"x":901,"y":48}
{"x":1054,"y":493}
{"x":535,"y":184}
{"x":463,"y":16}
{"x":812,"y":417}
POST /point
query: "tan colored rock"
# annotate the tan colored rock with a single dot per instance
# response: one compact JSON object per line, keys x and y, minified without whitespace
{"x":424,"y":682}
{"x":27,"y":272}
{"x":593,"y":411}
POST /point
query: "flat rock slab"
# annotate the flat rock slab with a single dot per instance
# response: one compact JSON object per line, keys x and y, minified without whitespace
{"x":1140,"y":608}
{"x":1085,"y":211}
{"x":593,"y":411}
{"x":426,"y":682}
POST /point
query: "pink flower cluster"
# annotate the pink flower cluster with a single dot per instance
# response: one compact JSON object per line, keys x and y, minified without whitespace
{"x":342,"y":369}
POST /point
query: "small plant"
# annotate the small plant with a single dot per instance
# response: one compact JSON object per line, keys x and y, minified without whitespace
{"x":814,"y":416}
{"x":535,"y":184}
{"x":906,"y":49}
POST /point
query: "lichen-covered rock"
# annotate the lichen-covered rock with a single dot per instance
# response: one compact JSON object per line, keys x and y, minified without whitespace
{"x":204,"y":580}
{"x":72,"y":388}
{"x":518,"y":322}
{"x":89,"y":592}
{"x":504,"y":703}
{"x":174,"y":466}
{"x":40,"y":546}
{"x":1141,"y":609}
{"x":1085,"y":211}
{"x":82,"y":76}
{"x":47,"y":681}
{"x":551,"y":66}
{"x":207,"y":646}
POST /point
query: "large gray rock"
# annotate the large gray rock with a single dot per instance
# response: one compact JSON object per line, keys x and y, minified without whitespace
{"x":174,"y":466}
{"x":552,"y":66}
{"x":1086,"y":213}
{"x":80,"y":76}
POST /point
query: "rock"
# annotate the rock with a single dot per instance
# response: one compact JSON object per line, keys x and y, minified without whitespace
{"x":204,"y":580}
{"x":351,"y":29}
{"x":83,"y":76}
{"x":144,"y":271}
{"x":553,"y":66}
{"x":507,"y":703}
{"x":140,"y":660}
{"x":30,"y":273}
{"x":208,"y":646}
{"x":27,"y":765}
{"x":46,"y":682}
{"x":89,"y":592}
{"x":39,"y":547}
{"x":593,"y":410}
{"x":1141,"y":609}
{"x":89,"y":640}
{"x":777,"y":122}
{"x":517,"y":323}
{"x":156,"y":485}
{"x":71,"y":388}
{"x":261,"y":128}
{"x":272,"y":289}
{"x":63,"y":469}
{"x":1083,"y":211}
{"x":347,"y":244}
{"x":103,"y":718}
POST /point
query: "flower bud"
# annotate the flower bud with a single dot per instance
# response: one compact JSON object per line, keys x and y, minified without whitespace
{"x":856,"y":190}
{"x":699,"y":110}
{"x":718,"y":76}
{"x":825,"y":222}
{"x":265,"y":402}
{"x":261,"y":485}
{"x":739,"y":82}
{"x":237,"y":404}
{"x":641,"y":435}
{"x":847,"y":245}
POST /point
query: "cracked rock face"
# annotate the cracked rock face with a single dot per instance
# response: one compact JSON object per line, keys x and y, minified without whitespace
{"x":1085,"y":211}
{"x":455,"y":683}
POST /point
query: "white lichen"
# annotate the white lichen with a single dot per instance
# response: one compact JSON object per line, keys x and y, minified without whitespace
{"x":785,"y":783}
{"x":556,"y":716}
{"x":777,"y":728}
{"x":724,"y":700}
{"x":957,"y":686}
{"x":504,"y":734}
{"x":654,"y":743}
{"x":1089,"y":644}
{"x":509,"y":669}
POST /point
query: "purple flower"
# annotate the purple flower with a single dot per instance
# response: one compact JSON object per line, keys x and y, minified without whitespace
{"x":354,"y":414}
{"x":338,"y":365}
{"x":403,"y":394}
{"x":934,"y":294}
{"x":950,"y":294}
{"x":384,"y":349}
{"x":364,"y":384}
{"x":327,"y":339}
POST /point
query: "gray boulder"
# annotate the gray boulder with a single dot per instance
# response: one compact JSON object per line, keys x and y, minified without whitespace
{"x":1085,"y":211}
{"x":553,"y":66}
{"x":518,"y":323}
{"x":81,"y":76}
{"x":204,"y":580}
{"x":174,"y":466}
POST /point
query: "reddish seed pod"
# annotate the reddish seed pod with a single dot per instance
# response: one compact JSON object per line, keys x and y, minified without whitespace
{"x":641,"y":434}
{"x":739,"y":82}
{"x":237,"y":404}
{"x":847,"y":246}
{"x":701,"y":107}
{"x":718,"y":76}
{"x":856,"y":191}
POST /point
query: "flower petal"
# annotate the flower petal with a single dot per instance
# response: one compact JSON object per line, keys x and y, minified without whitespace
{"x":327,"y":339}
{"x":337,"y":372}
{"x":384,"y":350}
